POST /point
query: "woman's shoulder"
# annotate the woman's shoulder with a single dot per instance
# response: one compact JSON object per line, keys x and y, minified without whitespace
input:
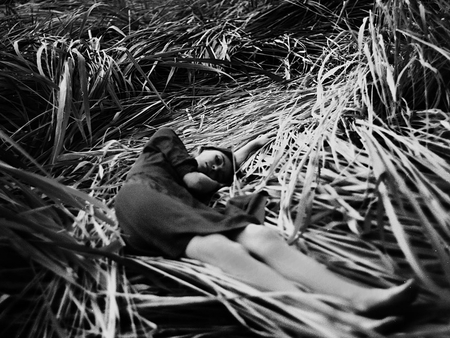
{"x":162,"y":137}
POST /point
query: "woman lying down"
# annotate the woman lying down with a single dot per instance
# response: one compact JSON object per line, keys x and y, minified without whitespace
{"x":161,"y":213}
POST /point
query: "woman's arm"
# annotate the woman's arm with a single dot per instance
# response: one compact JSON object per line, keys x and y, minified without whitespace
{"x":167,"y":142}
{"x":200,"y":183}
{"x":243,"y":153}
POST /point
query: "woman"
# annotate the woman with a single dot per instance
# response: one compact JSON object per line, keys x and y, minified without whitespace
{"x":160,"y":211}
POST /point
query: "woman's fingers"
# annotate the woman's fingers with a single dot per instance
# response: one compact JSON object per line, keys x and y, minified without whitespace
{"x":265,"y":138}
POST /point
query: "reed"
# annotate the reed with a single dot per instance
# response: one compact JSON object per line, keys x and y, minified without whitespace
{"x":356,"y":100}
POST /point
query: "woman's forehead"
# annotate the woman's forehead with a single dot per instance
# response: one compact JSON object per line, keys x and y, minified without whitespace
{"x":214,"y":152}
{"x":227,"y":152}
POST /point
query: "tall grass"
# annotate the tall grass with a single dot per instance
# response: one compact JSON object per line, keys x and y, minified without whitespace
{"x":357,"y":173}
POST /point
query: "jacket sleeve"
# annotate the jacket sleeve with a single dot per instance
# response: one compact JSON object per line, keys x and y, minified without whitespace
{"x":167,"y":142}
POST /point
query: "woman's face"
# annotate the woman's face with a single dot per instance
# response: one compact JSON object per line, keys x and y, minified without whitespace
{"x":215,"y":165}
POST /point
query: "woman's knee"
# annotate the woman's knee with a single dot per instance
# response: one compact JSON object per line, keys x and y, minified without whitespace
{"x":214,"y":247}
{"x":260,"y":240}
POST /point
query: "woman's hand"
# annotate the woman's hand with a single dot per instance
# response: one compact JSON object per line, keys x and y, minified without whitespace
{"x":263,"y":139}
{"x":243,"y":153}
{"x":200,"y":183}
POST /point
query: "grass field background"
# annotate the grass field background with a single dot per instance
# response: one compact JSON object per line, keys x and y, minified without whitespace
{"x":355,"y":95}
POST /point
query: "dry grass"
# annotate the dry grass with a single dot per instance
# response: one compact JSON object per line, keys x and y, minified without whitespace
{"x":357,"y":172}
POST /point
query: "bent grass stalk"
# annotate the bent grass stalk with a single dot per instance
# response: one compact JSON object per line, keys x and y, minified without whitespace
{"x":357,"y":172}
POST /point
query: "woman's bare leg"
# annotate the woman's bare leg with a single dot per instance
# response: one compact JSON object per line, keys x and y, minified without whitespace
{"x":269,"y":247}
{"x":235,"y":260}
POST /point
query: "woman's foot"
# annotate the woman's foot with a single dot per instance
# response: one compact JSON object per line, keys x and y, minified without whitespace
{"x":379,"y":303}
